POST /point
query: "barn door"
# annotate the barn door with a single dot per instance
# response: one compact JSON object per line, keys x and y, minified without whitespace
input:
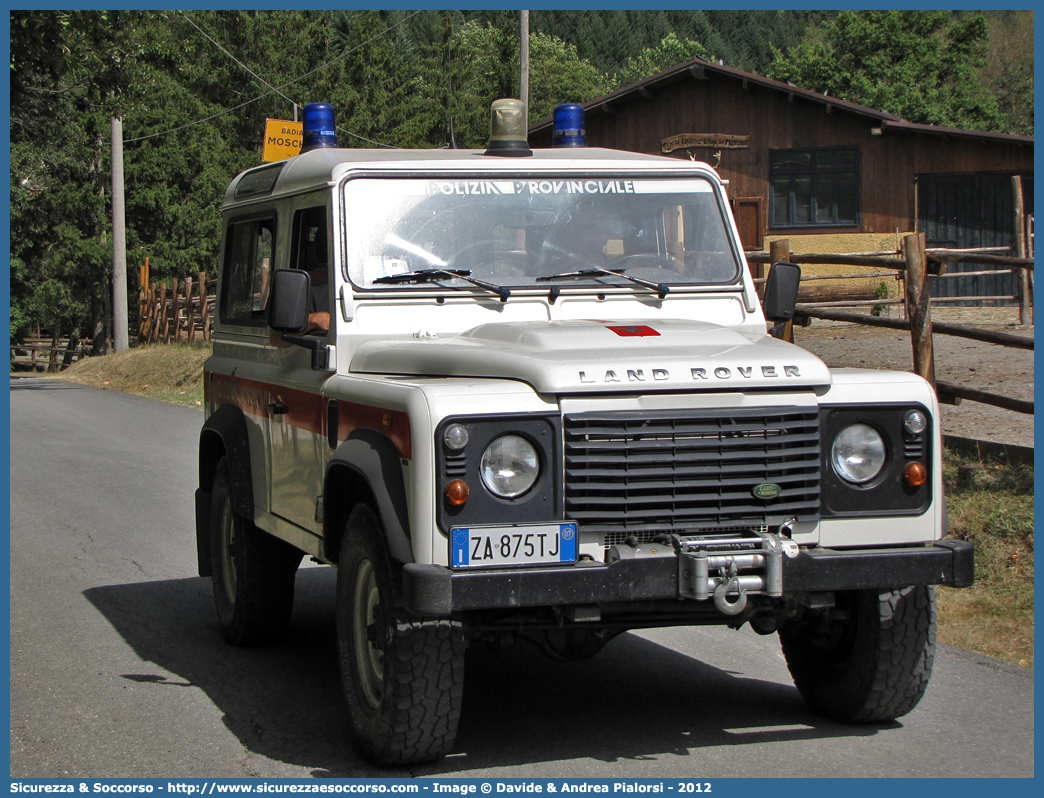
{"x":968,"y":211}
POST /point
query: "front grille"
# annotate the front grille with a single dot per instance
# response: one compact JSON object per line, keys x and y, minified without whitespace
{"x":650,"y":535}
{"x":677,"y":471}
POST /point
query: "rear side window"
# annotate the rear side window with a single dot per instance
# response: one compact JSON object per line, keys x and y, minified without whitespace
{"x":249,"y":250}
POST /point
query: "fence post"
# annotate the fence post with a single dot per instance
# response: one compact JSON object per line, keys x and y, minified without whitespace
{"x":176,"y":320}
{"x":52,"y":358}
{"x":1021,"y":275}
{"x":190,"y":316}
{"x":143,"y":293}
{"x":143,"y":305}
{"x":779,"y":251}
{"x":918,"y":300}
{"x":202,"y":305}
{"x":206,"y":307}
{"x":150,"y":314}
{"x":162,"y":334}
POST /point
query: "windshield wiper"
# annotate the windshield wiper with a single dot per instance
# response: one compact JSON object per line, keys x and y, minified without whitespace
{"x":430,"y":275}
{"x":595,"y":271}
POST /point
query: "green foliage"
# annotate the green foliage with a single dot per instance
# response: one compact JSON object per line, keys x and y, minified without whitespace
{"x":376,"y":102}
{"x":923,"y":66}
{"x":70,"y":73}
{"x":881,"y":292}
{"x":743,"y":39}
{"x":558,"y":75}
{"x":669,"y":52}
{"x":1009,"y":73}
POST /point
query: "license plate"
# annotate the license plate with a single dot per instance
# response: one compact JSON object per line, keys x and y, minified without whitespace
{"x":513,"y":545}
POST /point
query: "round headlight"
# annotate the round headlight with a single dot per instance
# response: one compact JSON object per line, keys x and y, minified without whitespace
{"x":858,"y":453}
{"x":509,"y":466}
{"x":915,"y":422}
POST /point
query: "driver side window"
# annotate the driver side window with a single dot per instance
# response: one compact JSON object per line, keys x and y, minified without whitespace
{"x":310,"y":252}
{"x":249,"y":248}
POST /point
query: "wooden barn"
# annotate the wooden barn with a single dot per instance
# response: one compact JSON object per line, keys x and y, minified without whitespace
{"x":829,"y":175}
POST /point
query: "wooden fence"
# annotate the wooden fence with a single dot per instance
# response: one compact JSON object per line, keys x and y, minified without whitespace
{"x":50,"y":354}
{"x":180,"y":313}
{"x":185,"y":315}
{"x":914,"y":268}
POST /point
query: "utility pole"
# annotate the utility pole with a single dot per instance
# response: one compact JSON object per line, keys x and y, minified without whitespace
{"x":523,"y":92}
{"x":119,"y":243}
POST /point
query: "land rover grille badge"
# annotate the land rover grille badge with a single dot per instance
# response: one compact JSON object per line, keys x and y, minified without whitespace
{"x":767,"y":490}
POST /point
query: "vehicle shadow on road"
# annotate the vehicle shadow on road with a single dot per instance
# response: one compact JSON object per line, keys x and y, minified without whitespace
{"x":636,"y":700}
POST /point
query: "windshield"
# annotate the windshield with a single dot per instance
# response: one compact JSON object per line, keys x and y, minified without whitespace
{"x":532,"y":232}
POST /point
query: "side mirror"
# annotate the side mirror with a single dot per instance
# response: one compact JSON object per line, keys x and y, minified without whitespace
{"x":288,"y":312}
{"x":781,"y":291}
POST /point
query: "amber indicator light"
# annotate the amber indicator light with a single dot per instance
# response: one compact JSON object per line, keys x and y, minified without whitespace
{"x":915,"y":474}
{"x":457,"y":492}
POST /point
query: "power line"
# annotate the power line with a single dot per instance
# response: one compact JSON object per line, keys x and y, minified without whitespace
{"x":226,"y":52}
{"x":370,"y":141}
{"x":277,"y":90}
{"x":198,"y":121}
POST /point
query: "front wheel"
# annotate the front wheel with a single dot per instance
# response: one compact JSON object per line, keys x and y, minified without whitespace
{"x":868,"y":658}
{"x":402,"y":676}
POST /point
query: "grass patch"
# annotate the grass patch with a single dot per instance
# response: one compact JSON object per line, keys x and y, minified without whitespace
{"x":991,"y":505}
{"x":171,"y":373}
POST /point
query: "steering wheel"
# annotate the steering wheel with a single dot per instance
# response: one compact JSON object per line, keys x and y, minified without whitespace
{"x":644,"y":260}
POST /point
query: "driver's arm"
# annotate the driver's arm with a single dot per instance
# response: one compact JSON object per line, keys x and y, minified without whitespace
{"x":317,"y":322}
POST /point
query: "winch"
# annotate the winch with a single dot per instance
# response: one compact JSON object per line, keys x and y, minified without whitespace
{"x":723,"y":567}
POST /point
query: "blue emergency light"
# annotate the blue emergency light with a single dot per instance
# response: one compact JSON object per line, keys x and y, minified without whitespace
{"x":319,"y":128}
{"x":569,"y":126}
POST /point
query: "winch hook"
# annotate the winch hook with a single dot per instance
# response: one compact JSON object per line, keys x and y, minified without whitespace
{"x":720,"y":593}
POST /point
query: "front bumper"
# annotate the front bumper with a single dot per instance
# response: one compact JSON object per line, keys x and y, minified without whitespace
{"x":434,"y":590}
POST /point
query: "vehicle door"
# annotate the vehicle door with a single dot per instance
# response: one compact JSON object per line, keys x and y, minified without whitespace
{"x":238,"y":372}
{"x":298,"y":447}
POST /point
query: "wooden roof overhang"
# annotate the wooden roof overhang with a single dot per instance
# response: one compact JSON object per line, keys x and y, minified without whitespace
{"x":701,"y":69}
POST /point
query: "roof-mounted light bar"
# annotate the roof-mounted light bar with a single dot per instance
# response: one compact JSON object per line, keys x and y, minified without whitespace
{"x":507,"y":128}
{"x":569,"y":126}
{"x":319,"y":128}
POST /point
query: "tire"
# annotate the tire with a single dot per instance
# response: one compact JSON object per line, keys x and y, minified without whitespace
{"x":253,"y":572}
{"x":402,"y":677}
{"x":867,"y":660}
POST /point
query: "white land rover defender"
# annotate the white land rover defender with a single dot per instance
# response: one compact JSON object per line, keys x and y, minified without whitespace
{"x":530,"y":394}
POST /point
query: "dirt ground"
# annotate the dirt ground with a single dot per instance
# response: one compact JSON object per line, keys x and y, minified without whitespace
{"x":988,"y":367}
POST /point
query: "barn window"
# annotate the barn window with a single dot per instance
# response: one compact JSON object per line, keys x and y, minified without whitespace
{"x":812,"y":188}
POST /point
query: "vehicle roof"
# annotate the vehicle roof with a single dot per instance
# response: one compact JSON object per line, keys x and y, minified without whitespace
{"x":326,"y":166}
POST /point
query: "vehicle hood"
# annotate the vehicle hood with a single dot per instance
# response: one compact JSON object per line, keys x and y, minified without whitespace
{"x":591,"y":355}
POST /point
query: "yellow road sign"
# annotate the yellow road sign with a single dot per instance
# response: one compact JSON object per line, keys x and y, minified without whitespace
{"x":282,"y":139}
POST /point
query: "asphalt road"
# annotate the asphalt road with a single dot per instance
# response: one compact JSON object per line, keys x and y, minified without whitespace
{"x":118,"y":669}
